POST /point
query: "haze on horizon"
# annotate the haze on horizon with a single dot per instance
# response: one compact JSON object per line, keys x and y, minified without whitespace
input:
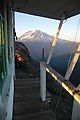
{"x":26,"y":22}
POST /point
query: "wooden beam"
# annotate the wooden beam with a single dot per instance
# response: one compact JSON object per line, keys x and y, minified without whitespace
{"x":55,"y":39}
{"x":76,"y":111}
{"x":42,"y":81}
{"x":73,"y":63}
{"x":69,"y":87}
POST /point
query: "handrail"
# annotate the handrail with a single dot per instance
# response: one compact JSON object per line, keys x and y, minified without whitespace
{"x":68,"y":86}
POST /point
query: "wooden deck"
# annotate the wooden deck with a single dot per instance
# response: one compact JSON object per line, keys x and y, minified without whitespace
{"x":27,"y":103}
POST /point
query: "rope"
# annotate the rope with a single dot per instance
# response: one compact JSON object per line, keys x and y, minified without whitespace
{"x":72,"y":49}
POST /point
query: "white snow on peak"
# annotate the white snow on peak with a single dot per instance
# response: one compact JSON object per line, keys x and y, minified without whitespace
{"x":36,"y":35}
{"x":27,"y":35}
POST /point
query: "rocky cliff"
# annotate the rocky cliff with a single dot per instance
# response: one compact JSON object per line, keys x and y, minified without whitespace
{"x":28,"y":67}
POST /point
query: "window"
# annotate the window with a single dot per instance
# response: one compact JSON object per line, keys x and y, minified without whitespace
{"x":4,"y":45}
{"x":0,"y":52}
{"x":3,"y":66}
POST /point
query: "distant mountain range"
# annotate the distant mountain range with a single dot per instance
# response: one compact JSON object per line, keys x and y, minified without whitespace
{"x":35,"y":41}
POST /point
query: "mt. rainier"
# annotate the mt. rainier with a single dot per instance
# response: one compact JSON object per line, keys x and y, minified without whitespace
{"x":36,"y":35}
{"x":37,"y":40}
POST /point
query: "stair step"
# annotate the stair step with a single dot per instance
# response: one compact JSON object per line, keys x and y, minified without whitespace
{"x":47,"y":115}
{"x":27,"y":103}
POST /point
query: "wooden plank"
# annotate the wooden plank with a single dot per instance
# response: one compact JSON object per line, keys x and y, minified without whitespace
{"x":55,"y":39}
{"x":47,"y":115}
{"x":27,"y":103}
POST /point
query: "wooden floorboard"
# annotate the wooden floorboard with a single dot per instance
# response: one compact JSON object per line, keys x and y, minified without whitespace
{"x":27,"y":103}
{"x":48,"y":115}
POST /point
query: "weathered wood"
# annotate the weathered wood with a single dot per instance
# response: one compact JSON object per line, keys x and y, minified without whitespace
{"x":69,"y":87}
{"x":27,"y":103}
{"x":76,"y":111}
{"x":42,"y":82}
{"x":55,"y":39}
{"x":48,"y":115}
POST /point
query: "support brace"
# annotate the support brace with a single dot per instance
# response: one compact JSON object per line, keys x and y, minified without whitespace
{"x":55,"y":39}
{"x":76,"y":111}
{"x":73,"y":63}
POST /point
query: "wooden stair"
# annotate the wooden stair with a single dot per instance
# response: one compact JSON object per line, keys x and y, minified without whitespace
{"x":27,"y":103}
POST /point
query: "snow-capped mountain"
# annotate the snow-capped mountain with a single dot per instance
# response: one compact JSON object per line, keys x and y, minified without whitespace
{"x":37,"y":40}
{"x":36,"y":35}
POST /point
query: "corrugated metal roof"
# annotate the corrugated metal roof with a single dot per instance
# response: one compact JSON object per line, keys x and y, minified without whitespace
{"x":47,"y":8}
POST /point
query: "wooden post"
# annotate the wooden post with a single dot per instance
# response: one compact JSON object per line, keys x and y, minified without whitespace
{"x":73,"y":63}
{"x":2,"y":112}
{"x":76,"y":105}
{"x":13,"y":40}
{"x":0,"y":102}
{"x":55,"y":39}
{"x":42,"y":81}
{"x":76,"y":111}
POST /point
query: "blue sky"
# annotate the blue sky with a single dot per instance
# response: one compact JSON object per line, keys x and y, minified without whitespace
{"x":26,"y":22}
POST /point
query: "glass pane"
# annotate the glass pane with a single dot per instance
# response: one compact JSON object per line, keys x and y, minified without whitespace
{"x":0,"y":7}
{"x":0,"y":52}
{"x":3,"y":67}
{"x":0,"y":44}
{"x":3,"y":52}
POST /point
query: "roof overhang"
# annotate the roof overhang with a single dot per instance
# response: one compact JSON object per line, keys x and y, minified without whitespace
{"x":47,"y":8}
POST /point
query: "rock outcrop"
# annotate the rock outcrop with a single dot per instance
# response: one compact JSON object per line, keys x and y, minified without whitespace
{"x":29,"y":67}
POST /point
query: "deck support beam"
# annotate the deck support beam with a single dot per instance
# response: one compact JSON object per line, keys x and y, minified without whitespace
{"x":42,"y":81}
{"x":76,"y":111}
{"x":55,"y":39}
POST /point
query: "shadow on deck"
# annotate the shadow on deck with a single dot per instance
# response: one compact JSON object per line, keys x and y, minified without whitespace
{"x":27,"y":103}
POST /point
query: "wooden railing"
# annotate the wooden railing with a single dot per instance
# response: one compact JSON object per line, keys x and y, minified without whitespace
{"x":67,"y":85}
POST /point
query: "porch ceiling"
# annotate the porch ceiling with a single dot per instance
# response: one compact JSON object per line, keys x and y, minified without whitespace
{"x":47,"y":8}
